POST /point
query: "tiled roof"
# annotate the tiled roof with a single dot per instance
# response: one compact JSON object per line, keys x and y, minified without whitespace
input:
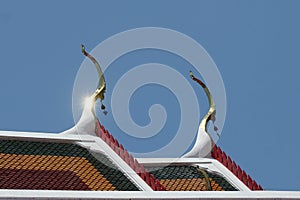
{"x":128,"y":158}
{"x":57,"y":166}
{"x":67,"y":166}
{"x":157,"y":183}
{"x":221,"y":156}
{"x":189,"y":178}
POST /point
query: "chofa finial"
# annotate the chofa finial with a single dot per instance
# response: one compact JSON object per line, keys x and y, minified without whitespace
{"x":101,"y":89}
{"x":204,"y":142}
{"x":211,"y":114}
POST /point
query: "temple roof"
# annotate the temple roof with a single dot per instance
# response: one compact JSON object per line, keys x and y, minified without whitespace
{"x":77,"y":166}
{"x":69,"y":166}
{"x":88,"y":162}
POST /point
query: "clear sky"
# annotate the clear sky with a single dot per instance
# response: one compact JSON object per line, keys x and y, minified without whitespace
{"x":255,"y":45}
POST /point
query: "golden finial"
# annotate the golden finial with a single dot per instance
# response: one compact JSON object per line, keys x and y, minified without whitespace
{"x":211,"y":114}
{"x":99,"y":93}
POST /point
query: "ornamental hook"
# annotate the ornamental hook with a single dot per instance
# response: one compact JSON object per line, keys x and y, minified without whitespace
{"x":211,"y":114}
{"x":204,"y":142}
{"x":101,"y":89}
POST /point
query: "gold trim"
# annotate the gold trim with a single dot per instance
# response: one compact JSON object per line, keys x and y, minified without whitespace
{"x":101,"y":89}
{"x":206,"y":178}
{"x":211,"y":114}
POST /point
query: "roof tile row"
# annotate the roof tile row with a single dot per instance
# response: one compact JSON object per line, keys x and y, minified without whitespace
{"x":128,"y":158}
{"x":221,"y":156}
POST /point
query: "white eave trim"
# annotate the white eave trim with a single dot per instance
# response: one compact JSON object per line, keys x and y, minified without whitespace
{"x":39,"y":136}
{"x":117,"y":160}
{"x":58,"y":194}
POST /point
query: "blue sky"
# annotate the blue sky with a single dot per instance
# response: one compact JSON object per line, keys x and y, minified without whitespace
{"x":255,"y":45}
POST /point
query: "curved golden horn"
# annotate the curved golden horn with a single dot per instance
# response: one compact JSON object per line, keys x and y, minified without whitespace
{"x":211,"y":114}
{"x":99,"y":93}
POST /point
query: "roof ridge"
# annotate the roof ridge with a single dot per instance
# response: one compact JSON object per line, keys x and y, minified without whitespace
{"x":118,"y":148}
{"x":221,"y":156}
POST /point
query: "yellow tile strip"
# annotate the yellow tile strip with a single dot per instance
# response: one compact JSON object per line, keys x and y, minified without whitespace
{"x":191,"y":184}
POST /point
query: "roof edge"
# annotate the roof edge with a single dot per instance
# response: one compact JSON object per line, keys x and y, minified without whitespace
{"x":48,"y":194}
{"x":225,"y":160}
